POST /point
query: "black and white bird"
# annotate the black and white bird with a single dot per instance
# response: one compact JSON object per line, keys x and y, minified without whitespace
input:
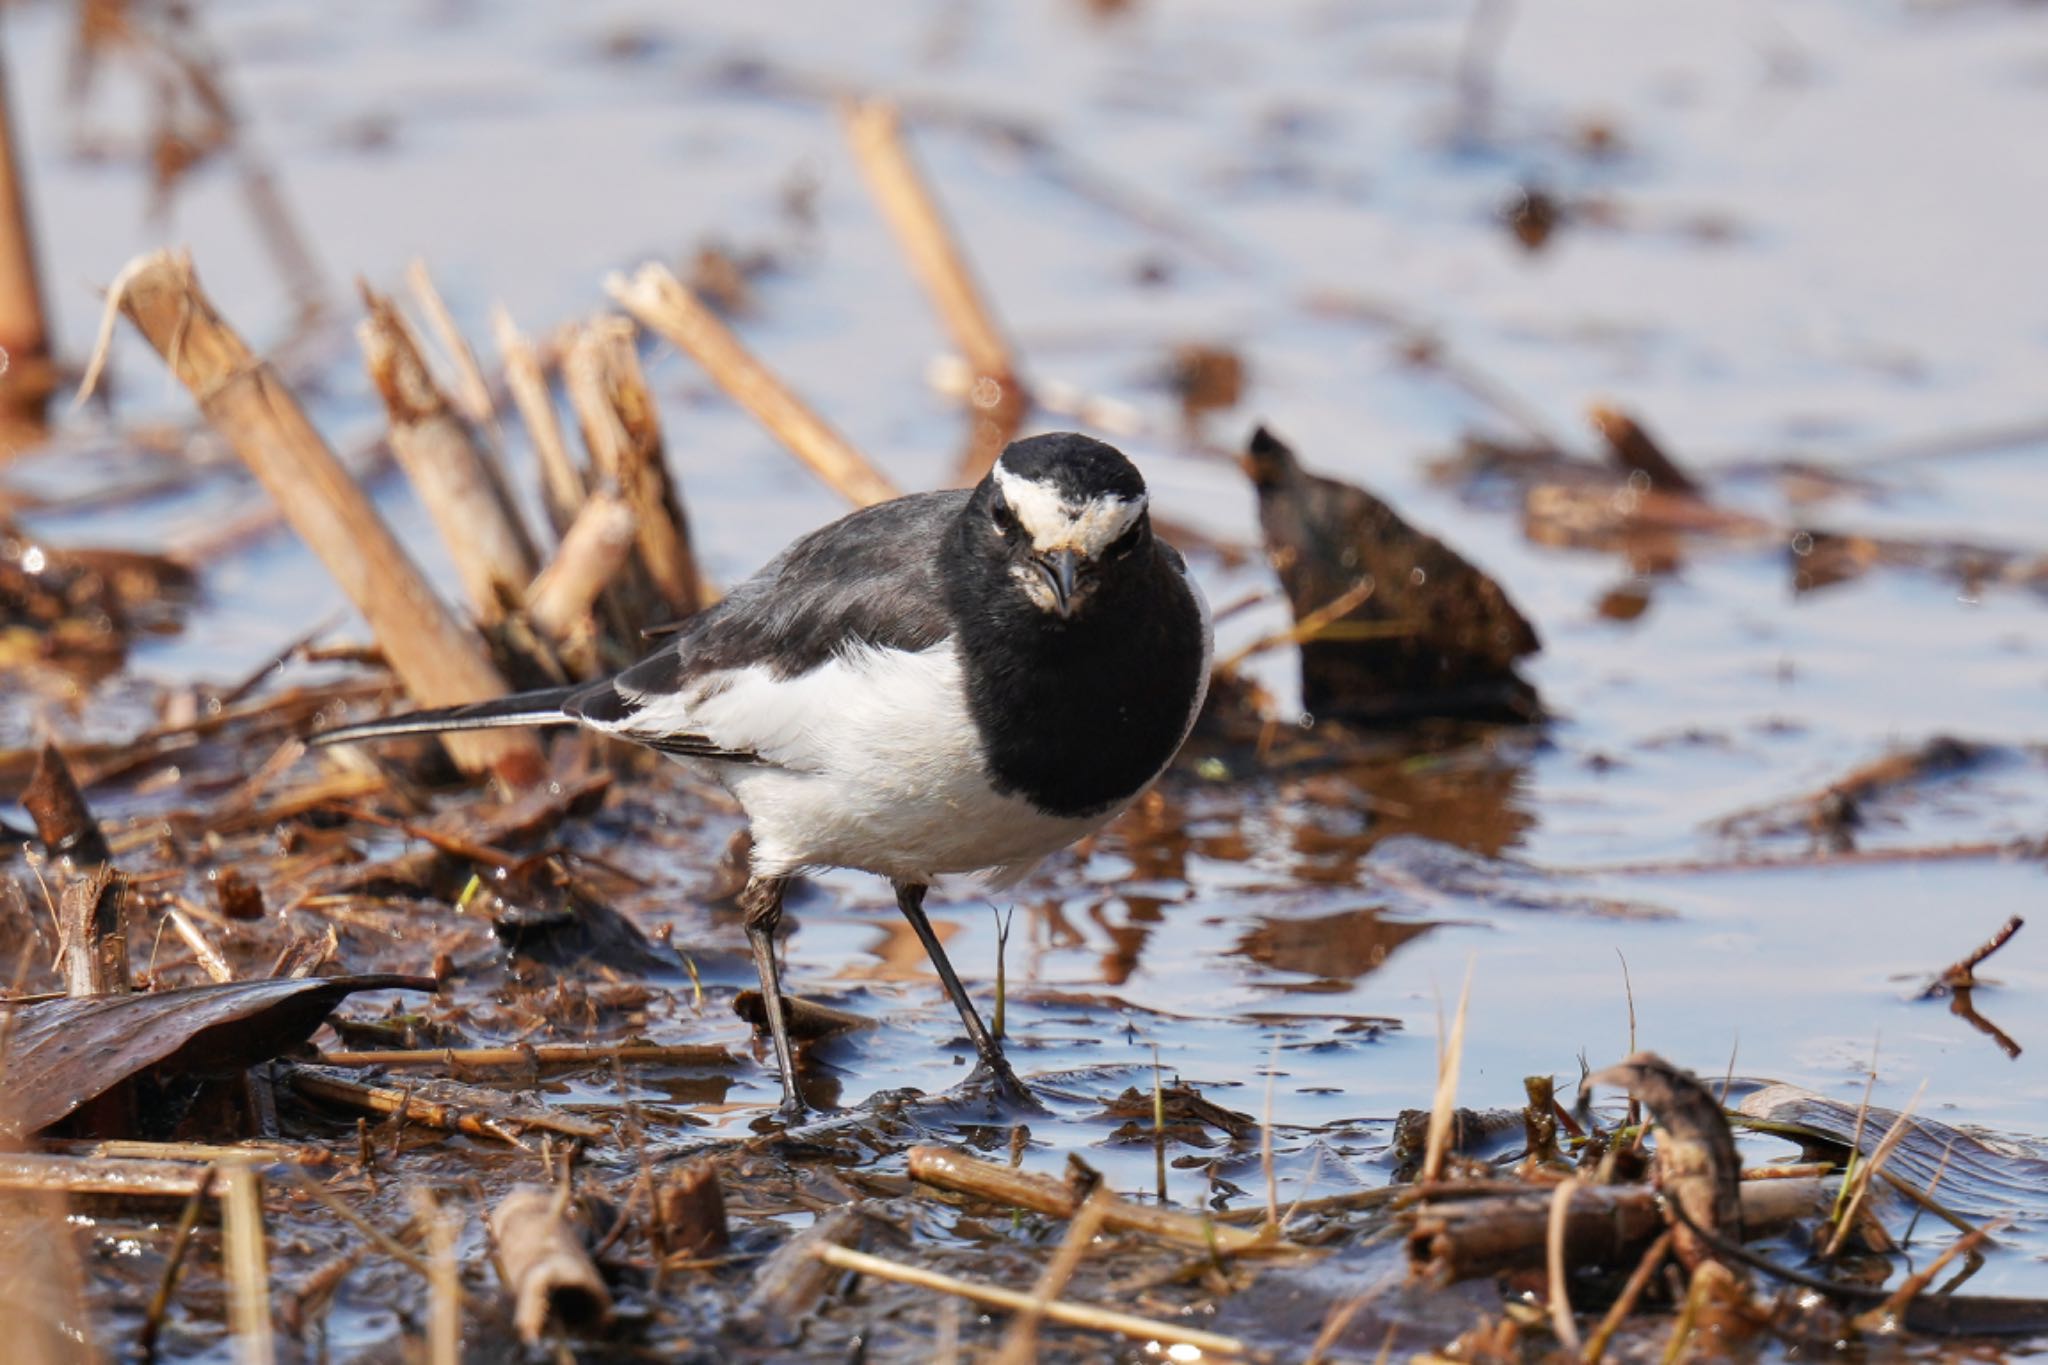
{"x":952,"y":682}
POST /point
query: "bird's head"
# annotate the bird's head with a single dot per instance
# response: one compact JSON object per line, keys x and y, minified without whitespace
{"x":1060,"y":513}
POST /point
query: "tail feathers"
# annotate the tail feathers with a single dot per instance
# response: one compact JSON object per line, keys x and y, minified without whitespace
{"x":522,"y":708}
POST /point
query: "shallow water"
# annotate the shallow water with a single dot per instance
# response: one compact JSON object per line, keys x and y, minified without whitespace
{"x":1816,"y":241}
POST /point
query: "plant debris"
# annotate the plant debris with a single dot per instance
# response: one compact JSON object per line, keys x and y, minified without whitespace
{"x":1423,"y":634}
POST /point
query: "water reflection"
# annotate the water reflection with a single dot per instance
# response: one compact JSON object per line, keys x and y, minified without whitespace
{"x":1336,"y":947}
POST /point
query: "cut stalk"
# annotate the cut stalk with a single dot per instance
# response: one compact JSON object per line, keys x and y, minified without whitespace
{"x":439,"y":661}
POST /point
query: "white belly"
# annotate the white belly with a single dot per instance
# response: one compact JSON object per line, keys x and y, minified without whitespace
{"x":871,"y":762}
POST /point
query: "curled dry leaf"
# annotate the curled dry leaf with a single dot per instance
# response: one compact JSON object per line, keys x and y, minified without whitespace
{"x":60,"y":1054}
{"x":1697,"y":1165}
{"x":1424,"y":633}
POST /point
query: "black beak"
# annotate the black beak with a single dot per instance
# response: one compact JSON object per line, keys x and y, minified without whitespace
{"x":1058,"y":569}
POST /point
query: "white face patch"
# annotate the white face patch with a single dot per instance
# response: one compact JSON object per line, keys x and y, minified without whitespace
{"x":1054,"y":523}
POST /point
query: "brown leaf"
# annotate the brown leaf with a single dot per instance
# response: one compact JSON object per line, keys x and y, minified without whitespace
{"x":1424,"y":632}
{"x":60,"y":1054}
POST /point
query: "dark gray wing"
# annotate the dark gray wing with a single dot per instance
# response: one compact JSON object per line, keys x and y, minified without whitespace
{"x":869,"y":579}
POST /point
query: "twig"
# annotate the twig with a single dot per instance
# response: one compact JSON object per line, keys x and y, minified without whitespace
{"x":1962,"y":975}
{"x":1637,"y":452}
{"x":561,"y":482}
{"x":1071,"y":1314}
{"x":246,"y":1265}
{"x":450,"y":1118}
{"x":1316,"y":624}
{"x":1020,"y":1343}
{"x":1561,"y":1320}
{"x":448,"y":468}
{"x":951,"y":1170}
{"x":1887,"y":1314}
{"x":661,"y":302}
{"x":439,"y":661}
{"x":539,"y":1054}
{"x":174,"y":1264}
{"x":210,"y":959}
{"x":384,"y":1242}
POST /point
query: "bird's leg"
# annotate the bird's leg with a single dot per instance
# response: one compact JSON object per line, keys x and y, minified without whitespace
{"x":910,"y":900}
{"x":761,"y":900}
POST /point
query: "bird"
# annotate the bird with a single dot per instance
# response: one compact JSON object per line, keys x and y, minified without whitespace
{"x":961,"y":681}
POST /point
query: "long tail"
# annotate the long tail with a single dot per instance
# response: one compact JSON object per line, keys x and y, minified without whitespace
{"x":522,"y":708}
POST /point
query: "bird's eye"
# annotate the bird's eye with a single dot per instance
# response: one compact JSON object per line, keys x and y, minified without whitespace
{"x":1004,"y":519}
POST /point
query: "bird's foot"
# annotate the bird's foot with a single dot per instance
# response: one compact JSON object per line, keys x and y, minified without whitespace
{"x":993,"y":1072}
{"x":791,"y":1113}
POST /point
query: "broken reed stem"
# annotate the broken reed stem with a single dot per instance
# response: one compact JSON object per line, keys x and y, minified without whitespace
{"x":1637,"y":452}
{"x":662,"y":303}
{"x":439,"y":661}
{"x":950,"y":1170}
{"x":444,"y":1277}
{"x":1020,"y":1343}
{"x":690,"y":1209}
{"x":622,"y":430}
{"x":1458,"y":1238}
{"x":1962,"y":974}
{"x":1561,"y":1320}
{"x":1448,"y":1064}
{"x":995,"y":395}
{"x":112,"y":1176}
{"x":64,"y":822}
{"x":540,"y":1054}
{"x":561,"y":602}
{"x":561,"y":482}
{"x":246,"y":1265}
{"x":1069,"y":1314}
{"x":24,"y":325}
{"x":545,"y":1265}
{"x":95,"y":941}
{"x":472,"y":391}
{"x":1638,"y":1281}
{"x":876,"y":131}
{"x":448,"y":1118}
{"x":209,"y":957}
{"x":449,"y":469}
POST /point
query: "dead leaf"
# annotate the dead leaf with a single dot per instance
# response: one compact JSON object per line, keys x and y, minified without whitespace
{"x":61,"y":1054}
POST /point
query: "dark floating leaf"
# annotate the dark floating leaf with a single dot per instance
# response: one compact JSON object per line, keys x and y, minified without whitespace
{"x":61,"y":1054}
{"x":551,"y":918}
{"x":1432,"y":636}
